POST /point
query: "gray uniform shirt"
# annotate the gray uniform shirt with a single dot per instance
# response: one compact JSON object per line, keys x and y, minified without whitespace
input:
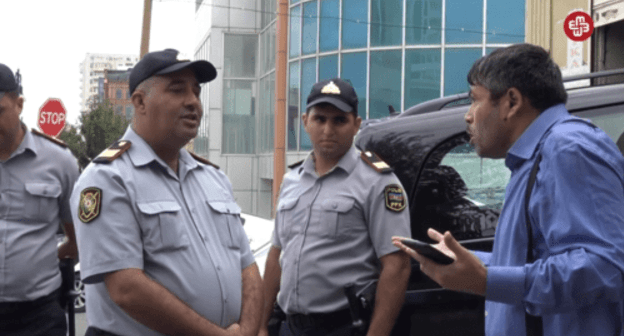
{"x":183,"y":230}
{"x":332,"y":230}
{"x":35,"y":185}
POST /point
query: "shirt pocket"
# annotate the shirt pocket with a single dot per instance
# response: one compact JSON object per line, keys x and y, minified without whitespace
{"x":41,"y":201}
{"x":163,"y":226}
{"x":290,"y":221}
{"x":338,"y":217}
{"x":227,"y":222}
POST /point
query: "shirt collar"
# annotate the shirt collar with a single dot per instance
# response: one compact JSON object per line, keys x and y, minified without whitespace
{"x":141,"y":153}
{"x":347,"y":162}
{"x":527,"y":143}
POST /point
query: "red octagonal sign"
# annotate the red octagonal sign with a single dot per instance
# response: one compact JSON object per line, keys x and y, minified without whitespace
{"x":52,"y":117}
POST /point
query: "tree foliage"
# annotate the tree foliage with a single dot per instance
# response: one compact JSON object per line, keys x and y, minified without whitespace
{"x":99,"y":129}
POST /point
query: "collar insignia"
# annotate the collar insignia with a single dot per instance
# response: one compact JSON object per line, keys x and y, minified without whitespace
{"x":331,"y":88}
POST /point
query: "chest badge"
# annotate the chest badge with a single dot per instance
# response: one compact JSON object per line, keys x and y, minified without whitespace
{"x":395,"y":198}
{"x":90,"y":204}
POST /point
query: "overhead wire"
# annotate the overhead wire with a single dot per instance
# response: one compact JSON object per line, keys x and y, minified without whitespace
{"x":382,"y":24}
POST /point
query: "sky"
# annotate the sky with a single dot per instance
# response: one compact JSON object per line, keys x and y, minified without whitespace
{"x":47,"y":40}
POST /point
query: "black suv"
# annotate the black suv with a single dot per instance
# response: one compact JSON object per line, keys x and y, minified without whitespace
{"x":451,"y":188}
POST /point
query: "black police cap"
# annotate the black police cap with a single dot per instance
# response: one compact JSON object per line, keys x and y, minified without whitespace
{"x":166,"y":61}
{"x":334,"y":91}
{"x":7,"y":80}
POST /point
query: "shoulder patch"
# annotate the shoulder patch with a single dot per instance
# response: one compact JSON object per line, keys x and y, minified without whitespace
{"x":90,"y":204}
{"x":113,"y":152}
{"x":296,"y":164}
{"x":43,"y":135}
{"x":395,"y":197}
{"x":374,"y":161}
{"x":202,"y":160}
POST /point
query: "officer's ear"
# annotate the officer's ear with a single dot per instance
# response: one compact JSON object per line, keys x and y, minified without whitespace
{"x":138,"y":99}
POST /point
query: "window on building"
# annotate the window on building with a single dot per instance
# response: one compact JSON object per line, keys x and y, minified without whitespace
{"x":293,"y":105}
{"x":239,"y":116}
{"x":129,"y":112}
{"x":329,"y":25}
{"x":308,"y":78}
{"x":505,"y":21}
{"x":328,"y":67}
{"x":295,"y":31}
{"x":457,"y":63}
{"x":422,"y":76}
{"x":386,"y":22}
{"x":385,"y":67}
{"x":352,"y":69}
{"x":118,"y":94}
{"x":310,"y":18}
{"x":464,"y":21}
{"x":267,"y":44}
{"x":423,"y":22}
{"x":119,"y":110}
{"x":240,"y":56}
{"x":354,"y":24}
{"x":266,"y":114}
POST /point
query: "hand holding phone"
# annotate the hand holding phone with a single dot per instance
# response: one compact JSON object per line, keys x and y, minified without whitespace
{"x":427,"y":250}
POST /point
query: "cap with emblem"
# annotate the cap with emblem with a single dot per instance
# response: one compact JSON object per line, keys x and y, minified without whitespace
{"x":165,"y":62}
{"x":336,"y":92}
{"x":7,"y":81}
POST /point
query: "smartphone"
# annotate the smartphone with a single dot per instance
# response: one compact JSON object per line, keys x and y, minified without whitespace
{"x":428,"y":251}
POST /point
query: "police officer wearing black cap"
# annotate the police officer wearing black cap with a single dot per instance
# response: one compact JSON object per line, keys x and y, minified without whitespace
{"x":336,"y":214}
{"x":163,"y":251}
{"x":37,"y":175}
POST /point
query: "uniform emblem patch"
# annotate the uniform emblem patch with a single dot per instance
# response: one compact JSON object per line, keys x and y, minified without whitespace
{"x":395,"y":198}
{"x":90,"y":204}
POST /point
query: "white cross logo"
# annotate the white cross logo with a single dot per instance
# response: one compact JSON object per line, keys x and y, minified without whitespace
{"x":578,"y":26}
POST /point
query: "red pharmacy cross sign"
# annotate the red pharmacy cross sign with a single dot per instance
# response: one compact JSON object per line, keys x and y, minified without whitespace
{"x":578,"y":26}
{"x":52,"y":117}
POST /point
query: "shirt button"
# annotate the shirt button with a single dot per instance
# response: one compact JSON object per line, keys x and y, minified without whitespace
{"x":218,"y":268}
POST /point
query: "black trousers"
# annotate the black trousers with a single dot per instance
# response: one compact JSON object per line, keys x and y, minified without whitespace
{"x":41,"y":317}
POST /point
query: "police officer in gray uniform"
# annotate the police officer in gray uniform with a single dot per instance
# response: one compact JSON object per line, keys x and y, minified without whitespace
{"x":163,"y":248}
{"x":336,"y":214}
{"x":37,"y":175}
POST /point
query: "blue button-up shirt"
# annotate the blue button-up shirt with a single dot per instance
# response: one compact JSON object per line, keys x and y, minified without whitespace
{"x":577,"y":216}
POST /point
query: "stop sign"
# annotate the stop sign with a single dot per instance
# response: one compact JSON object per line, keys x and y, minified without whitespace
{"x":52,"y":117}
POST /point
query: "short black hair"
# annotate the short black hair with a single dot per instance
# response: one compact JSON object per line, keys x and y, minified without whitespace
{"x":526,"y":67}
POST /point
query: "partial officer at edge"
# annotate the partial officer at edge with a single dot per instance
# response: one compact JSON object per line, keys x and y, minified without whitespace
{"x":37,"y":175}
{"x":336,"y":214}
{"x":163,"y":248}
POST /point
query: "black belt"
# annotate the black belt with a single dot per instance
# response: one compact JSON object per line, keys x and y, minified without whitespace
{"x":20,"y":306}
{"x":93,"y":331}
{"x":328,"y":320}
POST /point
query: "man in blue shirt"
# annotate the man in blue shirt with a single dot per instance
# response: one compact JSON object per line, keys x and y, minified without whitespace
{"x":575,"y":283}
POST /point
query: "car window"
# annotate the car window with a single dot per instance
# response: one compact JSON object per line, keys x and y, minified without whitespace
{"x":611,"y":120}
{"x":458,"y":191}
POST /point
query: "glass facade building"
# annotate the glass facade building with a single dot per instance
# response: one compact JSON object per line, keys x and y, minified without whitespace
{"x":395,"y":53}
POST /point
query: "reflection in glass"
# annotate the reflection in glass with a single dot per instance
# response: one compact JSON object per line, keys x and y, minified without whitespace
{"x":422,"y":76}
{"x":328,"y":67}
{"x":309,"y":28}
{"x":353,"y":69}
{"x":266,"y":114}
{"x":293,"y":105}
{"x":308,"y":78}
{"x":464,"y":21}
{"x":386,"y":21}
{"x":240,"y":55}
{"x":424,"y":22}
{"x":385,"y":86}
{"x":267,"y":39}
{"x":295,"y":31}
{"x":457,"y":63}
{"x":354,"y":27}
{"x":239,"y":97}
{"x":505,"y":21}
{"x":329,"y":25}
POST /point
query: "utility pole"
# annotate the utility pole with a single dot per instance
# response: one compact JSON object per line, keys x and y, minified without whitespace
{"x":147,"y":21}
{"x":281,"y":62}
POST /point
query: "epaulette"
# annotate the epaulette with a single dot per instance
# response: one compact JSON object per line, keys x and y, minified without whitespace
{"x":374,"y":161}
{"x":55,"y":140}
{"x":295,"y":165}
{"x":202,"y":160}
{"x":113,"y":152}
